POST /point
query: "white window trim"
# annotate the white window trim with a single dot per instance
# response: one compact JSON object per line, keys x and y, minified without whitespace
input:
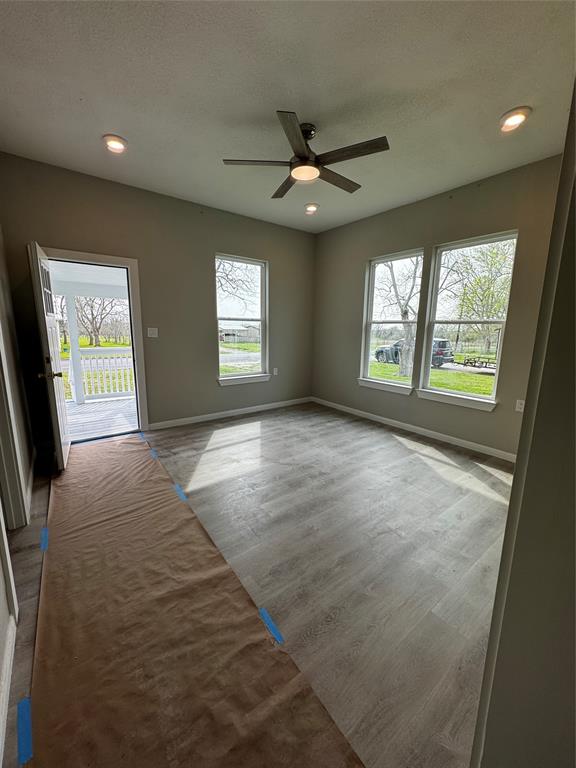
{"x":364,"y":380}
{"x":263,"y":375}
{"x":388,"y":386}
{"x":453,"y":398}
{"x":480,"y":240}
{"x":424,"y":389}
{"x":250,"y":378}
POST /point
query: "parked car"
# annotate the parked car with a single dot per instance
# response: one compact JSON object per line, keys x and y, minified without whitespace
{"x":389,"y":354}
{"x":441,"y":352}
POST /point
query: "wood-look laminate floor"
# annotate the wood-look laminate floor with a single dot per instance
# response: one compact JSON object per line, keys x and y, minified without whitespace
{"x":376,"y":553}
{"x":26,"y":557}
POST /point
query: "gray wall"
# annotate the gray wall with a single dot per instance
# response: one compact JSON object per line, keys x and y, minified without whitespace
{"x":318,"y":300}
{"x":531,"y":717}
{"x":521,"y":199}
{"x":175,"y":243}
{"x":527,"y":713}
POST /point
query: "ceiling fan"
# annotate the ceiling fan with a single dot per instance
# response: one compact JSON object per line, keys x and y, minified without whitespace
{"x":306,"y":165}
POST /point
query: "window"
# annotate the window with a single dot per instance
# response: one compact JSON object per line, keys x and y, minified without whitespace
{"x":469,"y":305}
{"x":392,"y":312}
{"x":241,"y":293}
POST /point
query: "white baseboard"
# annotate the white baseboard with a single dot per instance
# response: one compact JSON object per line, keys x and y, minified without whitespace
{"x":440,"y":436}
{"x":5,"y":678}
{"x":477,"y":447}
{"x":227,"y":414}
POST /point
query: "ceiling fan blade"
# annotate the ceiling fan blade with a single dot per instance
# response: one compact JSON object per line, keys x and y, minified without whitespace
{"x":291,"y":126}
{"x":353,"y":151}
{"x":256,"y":162}
{"x":286,"y":185}
{"x":339,"y":181}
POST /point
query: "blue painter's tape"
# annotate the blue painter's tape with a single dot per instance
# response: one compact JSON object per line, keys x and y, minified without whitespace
{"x":180,"y":491}
{"x":154,"y":453}
{"x":272,"y":628}
{"x":44,"y":539}
{"x":24,"y":727}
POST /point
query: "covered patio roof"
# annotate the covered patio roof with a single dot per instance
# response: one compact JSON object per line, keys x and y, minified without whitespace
{"x":71,"y":278}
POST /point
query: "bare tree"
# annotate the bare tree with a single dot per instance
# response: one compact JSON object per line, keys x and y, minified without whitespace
{"x":397,"y":287}
{"x":237,"y":279}
{"x":61,"y":317}
{"x":116,"y":327}
{"x":92,"y":311}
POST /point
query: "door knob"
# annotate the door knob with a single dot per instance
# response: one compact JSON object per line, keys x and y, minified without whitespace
{"x":50,"y":375}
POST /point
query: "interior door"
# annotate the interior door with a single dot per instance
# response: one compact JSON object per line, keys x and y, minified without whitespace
{"x":50,"y":339}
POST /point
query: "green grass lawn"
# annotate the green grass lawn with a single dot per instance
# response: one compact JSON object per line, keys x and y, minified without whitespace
{"x":239,"y":370}
{"x":241,"y":346}
{"x":455,"y":381}
{"x":387,"y":371}
{"x":83,"y":341}
{"x":67,"y":387}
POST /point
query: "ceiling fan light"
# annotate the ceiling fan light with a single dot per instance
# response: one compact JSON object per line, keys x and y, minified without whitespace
{"x":305,"y":172}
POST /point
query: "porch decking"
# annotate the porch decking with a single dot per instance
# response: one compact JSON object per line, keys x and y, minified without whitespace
{"x":98,"y":418}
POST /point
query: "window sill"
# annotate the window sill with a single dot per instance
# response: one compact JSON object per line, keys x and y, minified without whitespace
{"x":227,"y":381}
{"x":463,"y":400}
{"x":388,"y":386}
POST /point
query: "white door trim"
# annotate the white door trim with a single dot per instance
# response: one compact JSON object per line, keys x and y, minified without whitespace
{"x":6,"y":663}
{"x":135,"y":313}
{"x":15,"y":493}
{"x":8,"y":573}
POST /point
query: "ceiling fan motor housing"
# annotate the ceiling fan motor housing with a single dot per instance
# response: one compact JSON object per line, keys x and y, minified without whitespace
{"x":297,"y":162}
{"x":308,"y":130}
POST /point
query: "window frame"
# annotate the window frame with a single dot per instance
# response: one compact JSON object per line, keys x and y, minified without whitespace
{"x":482,"y":402}
{"x":404,"y":388}
{"x":264,"y":373}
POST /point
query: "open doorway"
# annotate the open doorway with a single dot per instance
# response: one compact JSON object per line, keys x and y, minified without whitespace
{"x":90,"y":326}
{"x":92,"y":306}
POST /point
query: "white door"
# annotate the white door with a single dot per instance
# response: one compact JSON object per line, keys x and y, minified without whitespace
{"x":50,"y":339}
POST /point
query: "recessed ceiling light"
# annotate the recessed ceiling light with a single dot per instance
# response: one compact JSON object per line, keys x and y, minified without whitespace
{"x":115,"y":144}
{"x":311,"y":208}
{"x":513,"y":119}
{"x":303,"y":171}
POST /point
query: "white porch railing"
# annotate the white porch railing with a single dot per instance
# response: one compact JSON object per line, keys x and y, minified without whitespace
{"x":103,"y":371}
{"x":107,"y":372}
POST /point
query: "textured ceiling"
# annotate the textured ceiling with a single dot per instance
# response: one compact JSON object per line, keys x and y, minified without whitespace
{"x":189,"y":83}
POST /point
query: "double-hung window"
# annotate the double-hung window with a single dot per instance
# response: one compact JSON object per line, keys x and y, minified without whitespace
{"x":471,"y":288}
{"x":242,"y":295}
{"x":458,"y":355}
{"x":392,"y":312}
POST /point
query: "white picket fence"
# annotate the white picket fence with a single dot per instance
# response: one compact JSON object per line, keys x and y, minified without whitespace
{"x":107,"y":372}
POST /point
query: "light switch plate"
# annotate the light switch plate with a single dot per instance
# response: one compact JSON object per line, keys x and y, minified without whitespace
{"x":520,"y":406}
{"x":152,"y":333}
